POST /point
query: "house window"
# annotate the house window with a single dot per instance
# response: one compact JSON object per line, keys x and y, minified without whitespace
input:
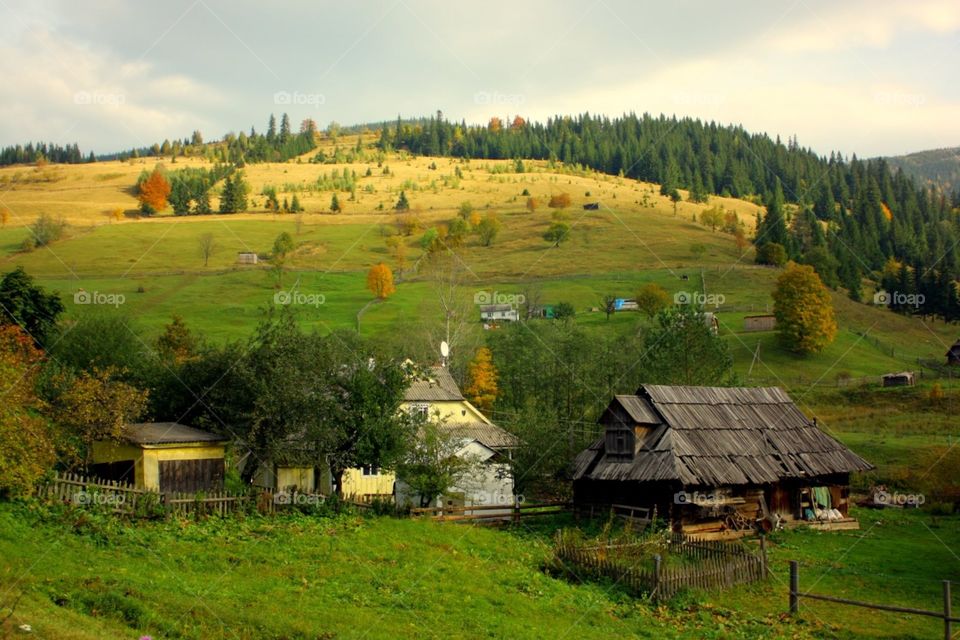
{"x":370,"y":470}
{"x":420,"y":409}
{"x":620,"y":441}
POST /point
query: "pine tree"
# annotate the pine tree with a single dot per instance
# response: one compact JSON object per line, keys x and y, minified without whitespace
{"x":402,"y":203}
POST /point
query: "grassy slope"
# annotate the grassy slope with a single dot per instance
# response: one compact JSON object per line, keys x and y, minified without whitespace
{"x":385,"y":578}
{"x":636,"y":239}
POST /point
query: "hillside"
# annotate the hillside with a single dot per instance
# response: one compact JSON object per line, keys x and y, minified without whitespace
{"x":936,"y":166}
{"x":633,"y":238}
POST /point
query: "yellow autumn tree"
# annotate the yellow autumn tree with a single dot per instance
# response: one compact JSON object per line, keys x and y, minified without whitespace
{"x":804,"y":310}
{"x":380,"y":281}
{"x":482,"y":389}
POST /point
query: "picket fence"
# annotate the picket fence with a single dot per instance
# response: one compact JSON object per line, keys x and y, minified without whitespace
{"x":704,"y":565}
{"x":126,"y":499}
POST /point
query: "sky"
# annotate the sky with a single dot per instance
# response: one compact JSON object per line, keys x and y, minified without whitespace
{"x":871,"y":78}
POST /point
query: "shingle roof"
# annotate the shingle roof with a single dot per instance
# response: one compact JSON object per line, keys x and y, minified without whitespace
{"x":167,"y":433}
{"x":712,"y":436}
{"x":438,"y":386}
{"x":485,"y":433}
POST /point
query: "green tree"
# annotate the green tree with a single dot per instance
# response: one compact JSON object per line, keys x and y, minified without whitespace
{"x":652,"y":299}
{"x":335,"y":204}
{"x":488,"y":229}
{"x":557,"y":233}
{"x":683,"y":349}
{"x":402,"y":203}
{"x":434,"y":464}
{"x":28,"y":305}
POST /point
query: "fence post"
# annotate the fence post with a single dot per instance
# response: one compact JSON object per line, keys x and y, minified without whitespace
{"x":763,"y":556}
{"x":947,"y":611}
{"x":794,"y":587}
{"x":657,"y":560}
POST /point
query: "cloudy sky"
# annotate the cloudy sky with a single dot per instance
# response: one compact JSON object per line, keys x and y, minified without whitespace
{"x":873,"y":77}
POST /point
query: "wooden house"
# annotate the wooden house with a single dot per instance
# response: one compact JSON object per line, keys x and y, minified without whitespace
{"x":162,"y":456}
{"x":953,"y":354}
{"x":901,"y":379}
{"x":715,"y":460}
{"x":495,"y":313}
{"x":766,"y":322}
{"x":247,"y":257}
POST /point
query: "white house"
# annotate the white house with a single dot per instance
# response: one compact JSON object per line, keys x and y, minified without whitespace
{"x":498,"y":313}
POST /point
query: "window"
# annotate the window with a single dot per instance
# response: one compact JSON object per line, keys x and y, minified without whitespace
{"x":370,"y":470}
{"x":420,"y":409}
{"x":619,"y":441}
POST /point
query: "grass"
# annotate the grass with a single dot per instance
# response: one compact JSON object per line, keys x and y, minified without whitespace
{"x":84,"y":577}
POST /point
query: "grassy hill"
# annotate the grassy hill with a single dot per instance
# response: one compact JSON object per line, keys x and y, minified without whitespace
{"x":635,"y":237}
{"x":79,"y":576}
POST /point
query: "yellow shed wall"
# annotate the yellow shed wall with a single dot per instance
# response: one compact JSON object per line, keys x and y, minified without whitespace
{"x":147,"y":458}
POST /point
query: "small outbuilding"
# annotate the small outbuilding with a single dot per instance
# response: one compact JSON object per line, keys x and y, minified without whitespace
{"x":766,"y":322}
{"x":715,"y":460}
{"x":953,"y":355}
{"x":902,"y":379}
{"x":591,"y":206}
{"x":247,"y":257}
{"x":162,"y":456}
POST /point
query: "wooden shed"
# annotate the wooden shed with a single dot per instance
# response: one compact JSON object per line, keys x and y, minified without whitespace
{"x":162,"y":456}
{"x":247,"y":257}
{"x":953,"y":354}
{"x":901,"y":379}
{"x":766,"y":322}
{"x":712,"y":460}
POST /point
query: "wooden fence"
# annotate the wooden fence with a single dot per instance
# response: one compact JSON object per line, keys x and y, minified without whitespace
{"x":121,"y":498}
{"x":492,"y":512}
{"x":946,"y":614}
{"x":705,"y":565}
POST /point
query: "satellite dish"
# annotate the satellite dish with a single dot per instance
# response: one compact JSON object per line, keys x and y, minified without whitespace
{"x":444,"y":349}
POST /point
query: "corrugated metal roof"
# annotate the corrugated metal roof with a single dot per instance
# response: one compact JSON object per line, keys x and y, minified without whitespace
{"x":719,"y":436}
{"x":167,"y":433}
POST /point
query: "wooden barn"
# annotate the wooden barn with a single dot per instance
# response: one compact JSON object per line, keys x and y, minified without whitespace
{"x":715,"y":460}
{"x":901,"y":379}
{"x":767,"y":322}
{"x":953,"y":355}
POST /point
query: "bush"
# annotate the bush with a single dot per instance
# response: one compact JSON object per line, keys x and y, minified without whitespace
{"x":559,"y":201}
{"x":773,"y":254}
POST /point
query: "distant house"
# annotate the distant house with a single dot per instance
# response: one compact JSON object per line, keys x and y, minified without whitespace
{"x":591,"y":206}
{"x":953,"y":355}
{"x":437,"y":396}
{"x":715,"y":460}
{"x":494,"y":313}
{"x":766,"y":322}
{"x":162,"y":456}
{"x":625,"y":304}
{"x":902,"y":379}
{"x":247,"y":257}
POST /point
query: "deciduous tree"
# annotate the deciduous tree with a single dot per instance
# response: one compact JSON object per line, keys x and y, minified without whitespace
{"x":380,"y":281}
{"x":804,"y":310}
{"x":154,"y":192}
{"x":482,"y":375}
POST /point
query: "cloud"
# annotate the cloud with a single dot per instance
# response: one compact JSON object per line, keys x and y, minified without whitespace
{"x":868,"y":24}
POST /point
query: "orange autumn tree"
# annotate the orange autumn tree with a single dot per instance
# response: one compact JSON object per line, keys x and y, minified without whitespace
{"x":27,"y":448}
{"x":154,"y":192}
{"x":380,"y":281}
{"x":804,"y":310}
{"x":482,"y":390}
